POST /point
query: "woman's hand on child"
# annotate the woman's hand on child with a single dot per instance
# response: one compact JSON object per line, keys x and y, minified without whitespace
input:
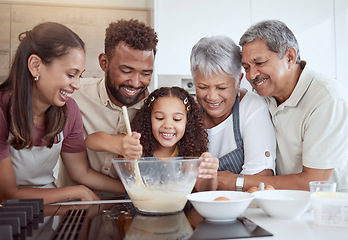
{"x":132,"y":149}
{"x":208,"y":167}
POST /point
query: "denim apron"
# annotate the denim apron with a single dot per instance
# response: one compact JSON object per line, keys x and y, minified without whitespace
{"x":233,"y":161}
{"x":34,"y":167}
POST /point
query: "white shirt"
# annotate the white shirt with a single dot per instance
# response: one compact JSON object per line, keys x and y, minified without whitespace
{"x":257,"y":132}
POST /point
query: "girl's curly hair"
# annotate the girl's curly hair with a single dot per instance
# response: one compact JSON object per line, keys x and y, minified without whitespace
{"x":195,"y":139}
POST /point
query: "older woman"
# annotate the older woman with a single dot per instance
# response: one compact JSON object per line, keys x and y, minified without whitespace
{"x":239,"y":127}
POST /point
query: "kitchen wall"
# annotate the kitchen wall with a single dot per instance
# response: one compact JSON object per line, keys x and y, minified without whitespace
{"x":89,"y":19}
{"x":99,"y":3}
{"x":321,"y":28}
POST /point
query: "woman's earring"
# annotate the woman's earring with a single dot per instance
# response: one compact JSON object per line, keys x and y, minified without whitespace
{"x":36,"y":78}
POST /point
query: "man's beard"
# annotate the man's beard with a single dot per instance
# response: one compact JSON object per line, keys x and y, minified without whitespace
{"x":117,"y":94}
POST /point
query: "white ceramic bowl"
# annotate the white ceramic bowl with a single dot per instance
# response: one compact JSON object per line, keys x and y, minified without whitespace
{"x":283,"y":203}
{"x":158,"y":185}
{"x":220,"y":211}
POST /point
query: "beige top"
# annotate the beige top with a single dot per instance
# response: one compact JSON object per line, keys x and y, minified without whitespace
{"x":312,"y":127}
{"x":99,"y":114}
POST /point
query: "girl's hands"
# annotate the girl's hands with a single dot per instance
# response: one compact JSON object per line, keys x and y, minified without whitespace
{"x":132,"y":149}
{"x":207,"y":173}
{"x":208,"y":167}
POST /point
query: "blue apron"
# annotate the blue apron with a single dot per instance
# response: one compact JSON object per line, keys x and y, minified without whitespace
{"x":233,"y":161}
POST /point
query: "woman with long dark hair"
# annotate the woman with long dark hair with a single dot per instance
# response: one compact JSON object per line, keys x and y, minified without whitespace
{"x":39,"y":121}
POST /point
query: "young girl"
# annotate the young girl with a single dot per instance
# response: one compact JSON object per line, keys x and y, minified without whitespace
{"x":168,"y":125}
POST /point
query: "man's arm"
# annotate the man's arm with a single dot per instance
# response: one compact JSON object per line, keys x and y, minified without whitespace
{"x":299,"y":181}
{"x":127,"y":146}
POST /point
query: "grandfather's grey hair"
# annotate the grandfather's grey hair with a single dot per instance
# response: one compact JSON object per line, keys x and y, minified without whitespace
{"x":218,"y":54}
{"x":278,"y":37}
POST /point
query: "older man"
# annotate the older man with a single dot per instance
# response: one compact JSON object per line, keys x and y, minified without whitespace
{"x":309,"y":111}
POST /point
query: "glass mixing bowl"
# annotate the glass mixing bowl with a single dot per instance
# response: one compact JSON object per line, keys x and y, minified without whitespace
{"x":158,"y":185}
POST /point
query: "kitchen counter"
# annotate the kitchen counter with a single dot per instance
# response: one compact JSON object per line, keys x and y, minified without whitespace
{"x":120,"y":220}
{"x":300,"y":228}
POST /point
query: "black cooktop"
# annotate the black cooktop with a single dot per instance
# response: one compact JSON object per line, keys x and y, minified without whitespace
{"x":112,"y":221}
{"x":125,"y":222}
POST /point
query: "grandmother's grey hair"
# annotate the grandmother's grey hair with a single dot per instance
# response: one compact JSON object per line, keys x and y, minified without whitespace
{"x":278,"y":37}
{"x":218,"y":54}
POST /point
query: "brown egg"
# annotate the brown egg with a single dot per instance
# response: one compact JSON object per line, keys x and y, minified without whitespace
{"x":221,"y":199}
{"x":269,"y":187}
{"x":252,"y":189}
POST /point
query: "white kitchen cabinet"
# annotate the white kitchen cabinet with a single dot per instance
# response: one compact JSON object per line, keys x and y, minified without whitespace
{"x":341,"y":20}
{"x":321,"y":28}
{"x":181,"y":23}
{"x":313,"y":23}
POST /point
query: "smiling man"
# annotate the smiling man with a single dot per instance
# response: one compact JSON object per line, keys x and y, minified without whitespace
{"x":309,"y":111}
{"x":130,"y":48}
